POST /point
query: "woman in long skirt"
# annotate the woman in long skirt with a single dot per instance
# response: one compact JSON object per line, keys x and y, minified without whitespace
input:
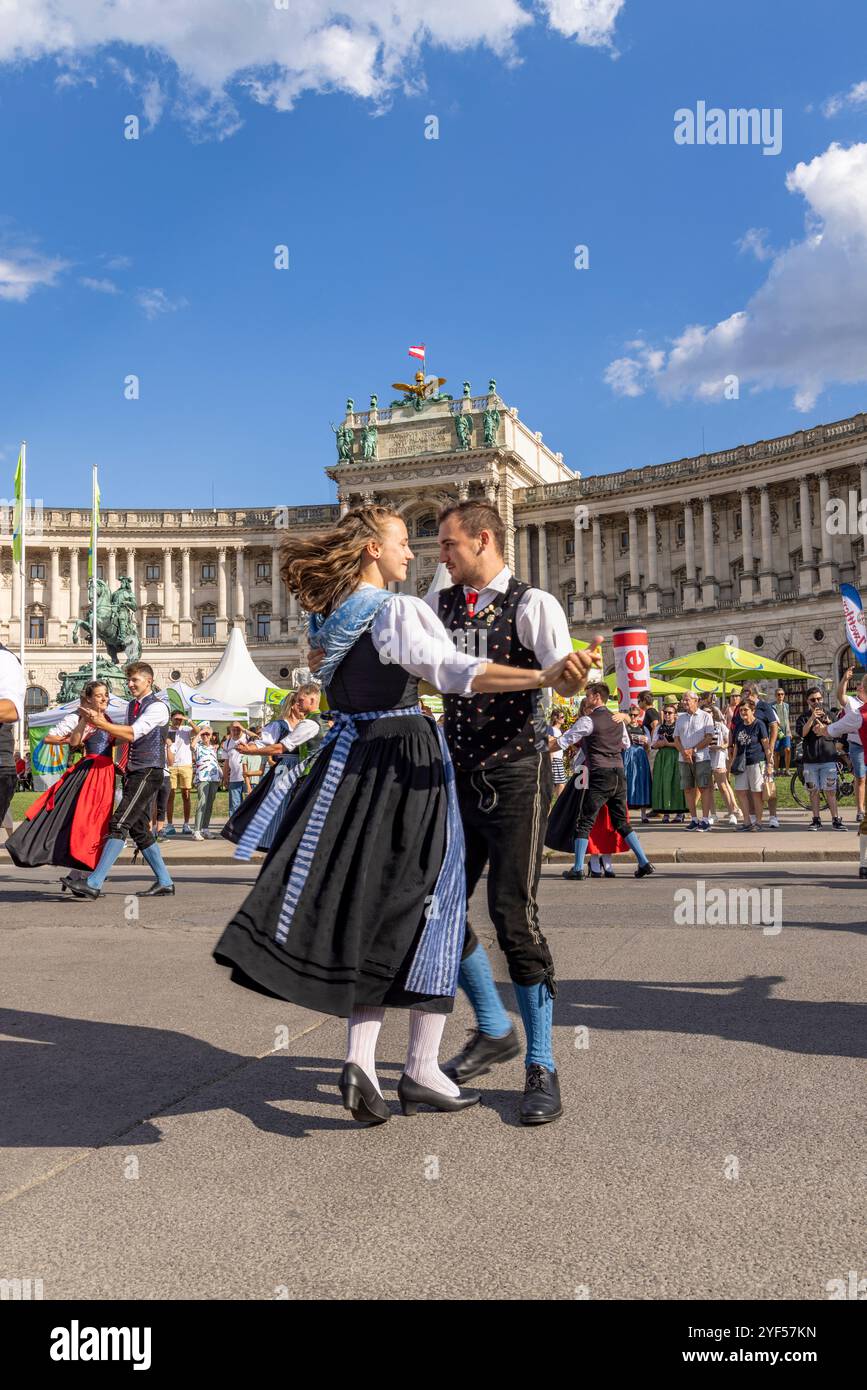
{"x":603,"y":840}
{"x":636,"y":764}
{"x":360,"y":904}
{"x":667,"y":794}
{"x":68,"y":824}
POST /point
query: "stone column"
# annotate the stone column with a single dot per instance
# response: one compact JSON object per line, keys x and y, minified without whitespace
{"x":15,"y":616}
{"x":185,"y":625}
{"x":633,"y":597}
{"x":293,"y":611}
{"x":131,"y":571}
{"x":240,"y":615}
{"x":167,"y":620}
{"x":862,"y":513}
{"x":597,"y":597}
{"x":652,"y":595}
{"x":828,"y":572}
{"x":542,"y":533}
{"x":276,"y":595}
{"x":343,"y":500}
{"x":463,"y":492}
{"x":522,"y":553}
{"x":112,"y":569}
{"x":52,"y":625}
{"x":808,"y":570}
{"x":580,"y":601}
{"x":767,"y":575}
{"x":222,"y":610}
{"x":690,"y":590}
{"x":748,"y":582}
{"x":74,"y":587}
{"x":709,"y":584}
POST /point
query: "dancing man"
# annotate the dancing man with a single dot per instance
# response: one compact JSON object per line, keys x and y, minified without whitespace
{"x":141,"y":761}
{"x":504,"y":779}
{"x":603,"y":737}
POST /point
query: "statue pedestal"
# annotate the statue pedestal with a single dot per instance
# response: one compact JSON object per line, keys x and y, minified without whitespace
{"x":72,"y":683}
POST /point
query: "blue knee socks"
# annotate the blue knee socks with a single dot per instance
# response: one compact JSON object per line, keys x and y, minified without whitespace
{"x":537,"y":1012}
{"x":477,"y":980}
{"x":110,"y":852}
{"x":153,"y":856}
{"x":580,"y":851}
{"x":635,"y":845}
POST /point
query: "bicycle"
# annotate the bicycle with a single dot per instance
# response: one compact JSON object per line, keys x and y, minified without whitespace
{"x":845,"y":784}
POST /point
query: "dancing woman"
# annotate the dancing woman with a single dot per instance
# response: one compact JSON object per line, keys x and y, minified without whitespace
{"x":68,"y":824}
{"x":360,"y":904}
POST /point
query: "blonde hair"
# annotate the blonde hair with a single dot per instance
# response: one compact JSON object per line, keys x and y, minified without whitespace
{"x":322,"y":567}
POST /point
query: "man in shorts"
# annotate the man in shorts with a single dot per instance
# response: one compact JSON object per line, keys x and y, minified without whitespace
{"x":181,"y":771}
{"x":693,"y":736}
{"x":819,"y":758}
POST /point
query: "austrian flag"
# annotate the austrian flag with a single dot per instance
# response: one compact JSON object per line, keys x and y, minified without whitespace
{"x":417,"y":351}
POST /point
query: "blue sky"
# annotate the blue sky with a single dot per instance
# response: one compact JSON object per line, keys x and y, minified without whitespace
{"x":465,"y":242}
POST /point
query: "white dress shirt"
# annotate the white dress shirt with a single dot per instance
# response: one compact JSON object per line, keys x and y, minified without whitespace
{"x":540,"y":620}
{"x":581,"y":728}
{"x":153,"y":717}
{"x":849,"y":722}
{"x":408,"y":633}
{"x":12,"y":683}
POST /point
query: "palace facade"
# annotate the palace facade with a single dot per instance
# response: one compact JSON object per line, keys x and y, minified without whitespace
{"x":730,"y":545}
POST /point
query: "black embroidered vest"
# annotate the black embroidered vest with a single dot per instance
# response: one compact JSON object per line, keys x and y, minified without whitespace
{"x":485,"y":731}
{"x":604,"y":747}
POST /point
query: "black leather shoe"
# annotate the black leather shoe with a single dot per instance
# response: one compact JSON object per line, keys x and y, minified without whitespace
{"x":361,"y":1097}
{"x":157,"y":890}
{"x":572,"y":873}
{"x":411,"y":1095}
{"x":643,"y":870}
{"x":480,"y":1054}
{"x":540,"y":1102}
{"x":81,"y":888}
{"x":862,"y":872}
{"x":608,"y":873}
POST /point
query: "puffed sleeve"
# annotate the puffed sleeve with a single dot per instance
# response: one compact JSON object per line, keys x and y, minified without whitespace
{"x":408,"y":633}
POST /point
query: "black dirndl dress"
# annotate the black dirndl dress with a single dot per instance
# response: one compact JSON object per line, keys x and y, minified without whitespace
{"x":68,"y":824}
{"x":370,"y":882}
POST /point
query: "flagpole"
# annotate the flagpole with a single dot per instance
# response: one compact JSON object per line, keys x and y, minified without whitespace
{"x":22,"y":582}
{"x":93,"y":543}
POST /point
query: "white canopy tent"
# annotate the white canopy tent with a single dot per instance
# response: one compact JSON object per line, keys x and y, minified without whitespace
{"x":237,"y":680}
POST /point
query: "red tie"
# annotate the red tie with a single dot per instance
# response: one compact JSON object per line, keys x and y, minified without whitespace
{"x":472,"y":600}
{"x":123,"y":755}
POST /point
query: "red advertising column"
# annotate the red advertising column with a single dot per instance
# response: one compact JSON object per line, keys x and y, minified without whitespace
{"x":631,"y":664}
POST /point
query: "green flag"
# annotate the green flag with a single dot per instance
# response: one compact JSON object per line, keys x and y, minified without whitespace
{"x":94,"y":528}
{"x":18,"y":514}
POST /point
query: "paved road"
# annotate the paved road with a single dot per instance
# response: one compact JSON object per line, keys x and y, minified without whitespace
{"x":157,"y":1145}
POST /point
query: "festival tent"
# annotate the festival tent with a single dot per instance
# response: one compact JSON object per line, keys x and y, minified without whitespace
{"x":202,"y":708}
{"x":719,"y":663}
{"x":237,"y":681}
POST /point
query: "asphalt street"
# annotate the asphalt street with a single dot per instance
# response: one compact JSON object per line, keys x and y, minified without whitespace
{"x":166,"y":1134}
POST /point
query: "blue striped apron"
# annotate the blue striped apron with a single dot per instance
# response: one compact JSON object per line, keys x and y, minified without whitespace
{"x":434,"y":968}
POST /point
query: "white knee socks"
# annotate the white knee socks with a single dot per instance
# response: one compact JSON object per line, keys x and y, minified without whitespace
{"x":422,"y":1058}
{"x":364,"y":1026}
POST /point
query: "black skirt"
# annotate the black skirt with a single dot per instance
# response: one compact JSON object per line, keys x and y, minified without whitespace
{"x":362,"y":909}
{"x":68,"y":824}
{"x":560,"y":830}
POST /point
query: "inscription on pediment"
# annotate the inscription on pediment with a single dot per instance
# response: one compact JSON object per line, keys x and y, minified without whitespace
{"x":405,"y":443}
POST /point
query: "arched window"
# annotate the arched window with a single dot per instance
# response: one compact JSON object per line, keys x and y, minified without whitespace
{"x":796,"y":689}
{"x":426,"y":526}
{"x":35,"y":698}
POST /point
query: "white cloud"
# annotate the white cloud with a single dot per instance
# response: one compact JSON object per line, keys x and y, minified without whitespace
{"x":100,"y":286}
{"x":854,"y":98}
{"x":804,"y":328}
{"x":118,"y":262}
{"x":23,"y":272}
{"x":367,"y":48}
{"x":753,"y":242}
{"x":155,"y":302}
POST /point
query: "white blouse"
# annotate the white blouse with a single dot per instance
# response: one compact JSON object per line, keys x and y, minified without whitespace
{"x":408,"y":633}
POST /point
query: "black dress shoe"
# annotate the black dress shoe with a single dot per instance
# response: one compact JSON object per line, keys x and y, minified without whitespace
{"x":81,"y":888}
{"x":862,"y":872}
{"x":591,"y":873}
{"x":540,"y":1102}
{"x":157,"y":890}
{"x":574,"y":874}
{"x":643,"y":870}
{"x":608,"y":873}
{"x":411,"y":1095}
{"x":361,"y":1097}
{"x":480,"y":1054}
